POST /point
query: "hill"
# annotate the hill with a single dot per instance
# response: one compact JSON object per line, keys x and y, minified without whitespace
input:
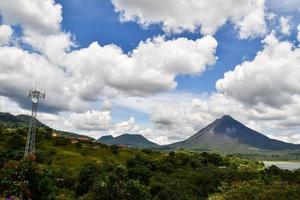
{"x":13,"y":121}
{"x":130,"y":140}
{"x":17,"y":121}
{"x":228,"y":134}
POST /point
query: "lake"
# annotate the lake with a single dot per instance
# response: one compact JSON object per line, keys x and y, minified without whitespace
{"x":283,"y":164}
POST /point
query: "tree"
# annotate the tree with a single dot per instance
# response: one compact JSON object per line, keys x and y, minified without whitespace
{"x":16,"y":142}
{"x":24,"y":179}
{"x":87,"y":175}
{"x":114,"y":149}
{"x":1,"y":128}
{"x":115,"y":185}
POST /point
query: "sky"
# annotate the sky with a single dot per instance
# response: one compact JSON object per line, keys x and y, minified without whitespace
{"x":162,"y":68}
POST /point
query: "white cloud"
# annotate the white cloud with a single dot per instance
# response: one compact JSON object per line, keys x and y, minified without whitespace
{"x":41,"y":31}
{"x":208,"y":16}
{"x":291,"y":136}
{"x":5,"y":34}
{"x":21,"y":69}
{"x":272,"y":78}
{"x":124,"y":127}
{"x":12,"y":107}
{"x":150,"y":68}
{"x":35,"y":15}
{"x":54,"y":47}
{"x":90,"y":120}
{"x":253,"y":24}
{"x":285,"y":25}
{"x":106,"y":105}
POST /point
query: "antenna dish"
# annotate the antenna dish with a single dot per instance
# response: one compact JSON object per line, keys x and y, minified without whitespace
{"x":34,"y":99}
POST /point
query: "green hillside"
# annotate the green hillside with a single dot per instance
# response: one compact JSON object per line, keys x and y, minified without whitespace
{"x":68,"y":168}
{"x":18,"y":121}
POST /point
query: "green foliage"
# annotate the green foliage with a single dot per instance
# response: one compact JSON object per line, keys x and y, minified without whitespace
{"x":86,"y":178}
{"x":115,"y":184}
{"x":16,"y":141}
{"x":258,"y":189}
{"x":1,"y":128}
{"x":60,"y":141}
{"x":78,"y":171}
{"x":24,"y":179}
{"x":114,"y":149}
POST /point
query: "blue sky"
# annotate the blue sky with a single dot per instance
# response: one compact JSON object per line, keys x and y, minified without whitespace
{"x":153,"y":67}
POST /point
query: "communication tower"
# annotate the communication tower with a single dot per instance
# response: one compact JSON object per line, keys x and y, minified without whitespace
{"x":35,"y":96}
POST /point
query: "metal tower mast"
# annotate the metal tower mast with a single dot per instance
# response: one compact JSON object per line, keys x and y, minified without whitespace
{"x":35,"y":95}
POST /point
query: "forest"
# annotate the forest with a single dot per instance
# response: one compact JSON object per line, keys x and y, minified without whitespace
{"x":88,"y":170}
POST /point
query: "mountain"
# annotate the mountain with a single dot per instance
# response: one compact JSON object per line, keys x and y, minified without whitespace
{"x":19,"y":121}
{"x":227,"y":134}
{"x":130,"y":140}
{"x":105,"y":138}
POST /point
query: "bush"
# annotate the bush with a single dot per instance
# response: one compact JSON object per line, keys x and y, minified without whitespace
{"x":60,"y":141}
{"x":24,"y":179}
{"x":114,"y":149}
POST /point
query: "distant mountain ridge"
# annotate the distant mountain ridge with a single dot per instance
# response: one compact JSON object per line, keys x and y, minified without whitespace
{"x":227,"y":133}
{"x":130,"y":140}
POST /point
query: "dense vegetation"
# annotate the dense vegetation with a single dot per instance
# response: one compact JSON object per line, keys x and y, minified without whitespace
{"x":89,"y":171}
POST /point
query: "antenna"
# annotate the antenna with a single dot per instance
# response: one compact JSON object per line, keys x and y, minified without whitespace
{"x":34,"y":95}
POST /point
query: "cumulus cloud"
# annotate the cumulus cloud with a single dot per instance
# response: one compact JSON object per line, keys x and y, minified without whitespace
{"x":35,"y":15}
{"x":285,"y":25}
{"x":124,"y":127}
{"x":54,"y":46}
{"x":150,"y":68}
{"x":5,"y":34}
{"x":272,"y":78}
{"x":21,"y":69}
{"x":181,"y":15}
{"x":41,"y":31}
{"x":91,"y":120}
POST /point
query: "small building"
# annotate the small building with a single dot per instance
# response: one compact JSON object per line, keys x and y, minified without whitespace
{"x":121,"y":146}
{"x":83,"y":139}
{"x":74,"y":141}
{"x":54,"y":134}
{"x":96,"y":147}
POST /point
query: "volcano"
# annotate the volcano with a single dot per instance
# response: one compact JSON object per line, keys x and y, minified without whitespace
{"x":226,"y":133}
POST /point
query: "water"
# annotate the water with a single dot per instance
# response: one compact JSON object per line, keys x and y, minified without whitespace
{"x":283,"y":164}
